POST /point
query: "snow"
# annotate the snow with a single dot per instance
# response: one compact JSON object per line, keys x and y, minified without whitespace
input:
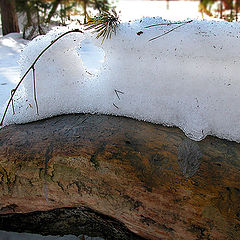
{"x":29,"y":236}
{"x":187,"y":78}
{"x":10,"y":48}
{"x":172,"y":10}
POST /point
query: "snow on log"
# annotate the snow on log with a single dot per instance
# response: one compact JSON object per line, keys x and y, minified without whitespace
{"x":177,"y":74}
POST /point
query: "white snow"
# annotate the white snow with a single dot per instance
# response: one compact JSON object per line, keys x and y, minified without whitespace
{"x":172,"y":10}
{"x":187,"y":78}
{"x":29,"y":236}
{"x":10,"y":48}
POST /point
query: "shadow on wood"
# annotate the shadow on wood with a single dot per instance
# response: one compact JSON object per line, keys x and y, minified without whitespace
{"x":144,"y":175}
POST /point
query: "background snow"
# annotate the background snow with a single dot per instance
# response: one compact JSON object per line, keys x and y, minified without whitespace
{"x":172,"y":10}
{"x":28,"y":236}
{"x":188,"y":78}
{"x":10,"y":48}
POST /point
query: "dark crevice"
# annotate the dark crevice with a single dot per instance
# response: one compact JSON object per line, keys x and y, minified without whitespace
{"x":64,"y":221}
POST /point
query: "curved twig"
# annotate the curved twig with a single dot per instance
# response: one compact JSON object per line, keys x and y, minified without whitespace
{"x":32,"y":67}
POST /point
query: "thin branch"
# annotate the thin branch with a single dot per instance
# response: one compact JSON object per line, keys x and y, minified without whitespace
{"x":170,"y":23}
{"x":115,"y":106}
{"x":117,"y":91}
{"x":90,"y":73}
{"x":19,"y":83}
{"x":34,"y":89}
{"x":170,"y":31}
{"x":12,"y":91}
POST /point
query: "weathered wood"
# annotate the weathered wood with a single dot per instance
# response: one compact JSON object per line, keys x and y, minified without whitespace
{"x":125,"y":169}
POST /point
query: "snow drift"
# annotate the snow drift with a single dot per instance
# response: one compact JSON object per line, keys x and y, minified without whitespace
{"x":188,"y":78}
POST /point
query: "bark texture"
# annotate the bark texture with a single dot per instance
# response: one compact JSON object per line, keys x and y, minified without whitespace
{"x":8,"y":16}
{"x":55,"y":5}
{"x":151,"y":178}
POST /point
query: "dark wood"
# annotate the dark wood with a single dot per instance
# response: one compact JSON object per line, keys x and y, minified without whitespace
{"x":8,"y":16}
{"x":67,"y":221}
{"x":130,"y":170}
{"x":55,"y":5}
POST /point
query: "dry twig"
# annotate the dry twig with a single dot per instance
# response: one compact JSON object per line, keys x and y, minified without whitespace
{"x":34,"y":88}
{"x":12,"y":91}
{"x":117,"y":91}
{"x":167,"y":24}
{"x":32,"y":67}
{"x":115,"y":106}
{"x":181,"y":24}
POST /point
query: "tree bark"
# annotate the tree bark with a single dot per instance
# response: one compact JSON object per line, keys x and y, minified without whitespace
{"x":55,"y":5}
{"x":8,"y":16}
{"x":85,"y":10}
{"x":236,"y":9}
{"x":151,"y":178}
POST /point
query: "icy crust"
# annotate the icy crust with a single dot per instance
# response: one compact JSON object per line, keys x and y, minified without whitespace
{"x":188,"y":78}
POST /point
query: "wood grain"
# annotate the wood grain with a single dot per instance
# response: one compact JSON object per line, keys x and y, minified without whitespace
{"x":123,"y":168}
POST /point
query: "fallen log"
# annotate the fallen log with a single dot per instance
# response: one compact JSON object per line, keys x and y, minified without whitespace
{"x":151,"y":178}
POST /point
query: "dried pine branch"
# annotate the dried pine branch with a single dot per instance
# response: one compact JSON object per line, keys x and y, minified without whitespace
{"x":169,"y":23}
{"x":104,"y":25}
{"x":12,"y":92}
{"x":34,"y":88}
{"x":30,"y":68}
{"x":181,"y":24}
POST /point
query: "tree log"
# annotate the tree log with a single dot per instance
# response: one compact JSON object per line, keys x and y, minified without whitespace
{"x":151,"y":178}
{"x":8,"y":16}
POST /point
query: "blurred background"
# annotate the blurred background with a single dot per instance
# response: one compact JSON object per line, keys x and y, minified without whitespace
{"x":34,"y":17}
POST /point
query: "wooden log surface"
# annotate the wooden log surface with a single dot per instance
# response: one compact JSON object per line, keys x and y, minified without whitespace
{"x":130,"y":170}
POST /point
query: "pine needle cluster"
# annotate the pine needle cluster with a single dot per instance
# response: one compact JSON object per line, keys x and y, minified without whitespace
{"x":104,"y":25}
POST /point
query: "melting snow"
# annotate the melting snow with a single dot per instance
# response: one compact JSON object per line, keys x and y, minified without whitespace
{"x":188,"y":78}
